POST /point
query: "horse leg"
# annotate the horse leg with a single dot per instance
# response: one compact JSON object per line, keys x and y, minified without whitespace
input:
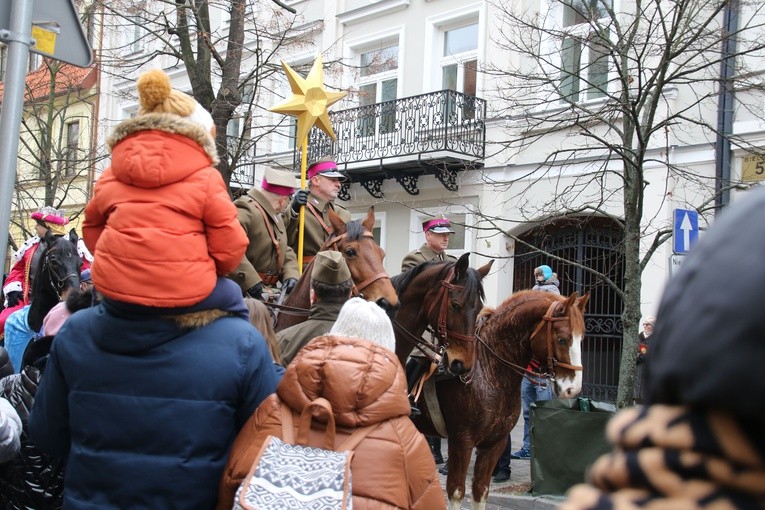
{"x":459,"y":460}
{"x":486,"y":459}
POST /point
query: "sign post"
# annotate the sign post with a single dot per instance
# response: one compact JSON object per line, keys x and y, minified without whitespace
{"x":57,"y":34}
{"x":685,"y":232}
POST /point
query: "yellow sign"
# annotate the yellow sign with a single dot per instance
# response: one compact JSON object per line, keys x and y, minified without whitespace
{"x":45,"y":39}
{"x":753,"y":168}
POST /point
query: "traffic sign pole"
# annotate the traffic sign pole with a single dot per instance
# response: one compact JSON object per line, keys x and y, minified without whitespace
{"x":18,"y":38}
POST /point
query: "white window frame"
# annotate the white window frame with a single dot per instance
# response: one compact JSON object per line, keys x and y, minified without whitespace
{"x":435,"y":33}
{"x":458,"y":59}
{"x":553,"y":45}
{"x":417,"y":236}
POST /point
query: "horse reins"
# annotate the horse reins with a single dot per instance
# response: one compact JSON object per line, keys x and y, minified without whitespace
{"x":60,"y":283}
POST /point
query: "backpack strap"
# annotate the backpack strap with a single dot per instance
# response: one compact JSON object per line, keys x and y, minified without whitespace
{"x":288,"y":431}
{"x":356,"y":437}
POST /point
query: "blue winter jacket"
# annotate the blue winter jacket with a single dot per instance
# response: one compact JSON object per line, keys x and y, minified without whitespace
{"x":146,"y":408}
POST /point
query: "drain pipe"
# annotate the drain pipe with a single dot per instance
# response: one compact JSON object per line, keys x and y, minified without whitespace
{"x":725,"y":100}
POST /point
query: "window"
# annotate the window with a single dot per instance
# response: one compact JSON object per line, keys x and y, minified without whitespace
{"x":134,"y":33}
{"x":378,"y":83}
{"x":72,"y":147}
{"x":459,"y":69}
{"x":584,"y":56}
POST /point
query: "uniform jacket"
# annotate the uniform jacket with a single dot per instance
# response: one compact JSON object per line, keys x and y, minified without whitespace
{"x":320,"y":320}
{"x":314,"y":235}
{"x":261,"y":255}
{"x":423,"y":254}
{"x":146,"y":407}
{"x":161,"y":223}
{"x":392,"y":467}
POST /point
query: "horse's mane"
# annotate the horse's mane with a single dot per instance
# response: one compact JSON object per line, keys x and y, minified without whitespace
{"x":354,"y":230}
{"x":472,"y":284}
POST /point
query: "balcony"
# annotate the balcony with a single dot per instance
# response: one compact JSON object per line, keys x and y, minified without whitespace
{"x":440,"y":134}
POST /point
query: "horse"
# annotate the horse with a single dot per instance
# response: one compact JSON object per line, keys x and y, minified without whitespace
{"x":57,"y":270}
{"x":447,"y":295}
{"x":365,"y":262}
{"x":480,"y":408}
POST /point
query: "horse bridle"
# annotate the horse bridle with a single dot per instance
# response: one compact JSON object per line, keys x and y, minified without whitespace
{"x":552,"y":362}
{"x":356,"y":291}
{"x":60,"y":282}
{"x":436,"y":351}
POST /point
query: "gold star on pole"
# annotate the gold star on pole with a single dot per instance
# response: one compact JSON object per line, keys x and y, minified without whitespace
{"x":309,"y":101}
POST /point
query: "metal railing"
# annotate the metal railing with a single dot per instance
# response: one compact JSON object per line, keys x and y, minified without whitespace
{"x":443,"y":121}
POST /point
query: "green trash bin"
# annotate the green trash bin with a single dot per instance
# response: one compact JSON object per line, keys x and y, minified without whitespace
{"x":566,"y":435}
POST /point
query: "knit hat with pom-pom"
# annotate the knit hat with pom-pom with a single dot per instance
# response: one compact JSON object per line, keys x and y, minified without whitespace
{"x":157,"y":96}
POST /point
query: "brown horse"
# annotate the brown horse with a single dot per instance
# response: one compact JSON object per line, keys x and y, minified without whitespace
{"x":446,"y":295}
{"x":481,"y":407}
{"x":365,"y":261}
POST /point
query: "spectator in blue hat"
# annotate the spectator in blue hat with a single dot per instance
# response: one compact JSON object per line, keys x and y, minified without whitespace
{"x":546,"y":280}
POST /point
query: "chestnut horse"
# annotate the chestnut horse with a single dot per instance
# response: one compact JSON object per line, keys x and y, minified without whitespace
{"x":481,"y":407}
{"x":365,"y":261}
{"x":446,"y":295}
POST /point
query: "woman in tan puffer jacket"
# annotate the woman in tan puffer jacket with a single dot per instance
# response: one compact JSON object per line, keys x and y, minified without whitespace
{"x":392,"y":467}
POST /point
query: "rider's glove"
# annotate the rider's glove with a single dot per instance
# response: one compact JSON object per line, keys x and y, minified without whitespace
{"x":14,"y":298}
{"x":299,"y":200}
{"x":256,"y":291}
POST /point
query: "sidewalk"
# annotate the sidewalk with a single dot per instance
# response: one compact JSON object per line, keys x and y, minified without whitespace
{"x":511,"y":494}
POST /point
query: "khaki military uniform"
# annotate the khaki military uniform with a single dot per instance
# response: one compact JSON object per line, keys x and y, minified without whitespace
{"x":320,"y":321}
{"x":315,"y":234}
{"x":261,"y":261}
{"x":423,"y":254}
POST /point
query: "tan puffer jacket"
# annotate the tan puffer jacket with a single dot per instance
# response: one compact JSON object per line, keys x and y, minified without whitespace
{"x":392,"y":467}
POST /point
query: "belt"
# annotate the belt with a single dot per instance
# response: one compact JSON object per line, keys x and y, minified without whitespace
{"x":269,"y":279}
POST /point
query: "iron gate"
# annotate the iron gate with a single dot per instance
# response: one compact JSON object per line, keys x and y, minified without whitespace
{"x":596,"y":244}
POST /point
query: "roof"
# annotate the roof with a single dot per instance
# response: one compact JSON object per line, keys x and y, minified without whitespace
{"x":68,"y":78}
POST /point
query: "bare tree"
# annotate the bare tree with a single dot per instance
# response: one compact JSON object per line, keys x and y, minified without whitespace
{"x":230,"y":64}
{"x":57,"y":154}
{"x":596,"y":99}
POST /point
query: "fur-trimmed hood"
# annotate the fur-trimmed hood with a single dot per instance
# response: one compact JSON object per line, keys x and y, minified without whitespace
{"x":147,"y":150}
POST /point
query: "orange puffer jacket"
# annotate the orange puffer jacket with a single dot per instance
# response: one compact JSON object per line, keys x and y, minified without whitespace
{"x":392,"y":467}
{"x":161,"y":224}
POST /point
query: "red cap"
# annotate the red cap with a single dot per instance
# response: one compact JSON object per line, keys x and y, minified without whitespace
{"x":437,"y":226}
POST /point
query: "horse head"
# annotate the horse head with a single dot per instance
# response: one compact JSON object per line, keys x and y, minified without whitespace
{"x":364,"y":258}
{"x":557,"y":342}
{"x":58,"y":271}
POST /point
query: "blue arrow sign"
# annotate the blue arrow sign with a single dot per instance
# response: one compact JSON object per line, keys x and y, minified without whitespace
{"x":685,"y":231}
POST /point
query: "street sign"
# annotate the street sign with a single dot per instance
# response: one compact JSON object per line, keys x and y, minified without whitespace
{"x":686,"y":230}
{"x":56,"y":30}
{"x":675,"y":263}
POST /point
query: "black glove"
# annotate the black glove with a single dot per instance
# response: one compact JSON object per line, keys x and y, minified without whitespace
{"x":299,"y":199}
{"x":288,"y":285}
{"x":14,"y":298}
{"x":256,"y":291}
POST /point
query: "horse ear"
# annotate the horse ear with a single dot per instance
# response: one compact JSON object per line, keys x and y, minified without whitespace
{"x":73,"y":236}
{"x":369,"y":221}
{"x":461,"y":265}
{"x":582,"y":302}
{"x":484,"y":269}
{"x":570,"y":301}
{"x":337,"y":223}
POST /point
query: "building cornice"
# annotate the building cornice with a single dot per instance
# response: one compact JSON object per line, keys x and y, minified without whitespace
{"x":371,"y":11}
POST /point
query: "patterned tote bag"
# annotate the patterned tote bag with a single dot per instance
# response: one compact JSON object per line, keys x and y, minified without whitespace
{"x":290,"y":474}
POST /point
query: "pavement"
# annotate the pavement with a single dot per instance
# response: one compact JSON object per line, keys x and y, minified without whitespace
{"x":514,"y":493}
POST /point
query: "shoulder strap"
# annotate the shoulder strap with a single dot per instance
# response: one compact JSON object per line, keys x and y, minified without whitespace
{"x":356,"y":437}
{"x":319,"y":218}
{"x":273,"y":237}
{"x":288,"y":430}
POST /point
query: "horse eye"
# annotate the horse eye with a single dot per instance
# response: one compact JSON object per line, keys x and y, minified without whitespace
{"x":350,"y":252}
{"x":456,"y":306}
{"x":563,"y":342}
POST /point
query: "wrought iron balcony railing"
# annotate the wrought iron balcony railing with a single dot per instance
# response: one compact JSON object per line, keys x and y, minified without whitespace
{"x":448,"y":125}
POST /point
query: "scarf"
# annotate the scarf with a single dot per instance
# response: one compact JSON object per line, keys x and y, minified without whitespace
{"x":668,"y":457}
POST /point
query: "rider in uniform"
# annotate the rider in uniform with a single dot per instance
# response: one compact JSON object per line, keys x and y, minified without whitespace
{"x":324,"y":183}
{"x":268,"y":259}
{"x":437,"y":232}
